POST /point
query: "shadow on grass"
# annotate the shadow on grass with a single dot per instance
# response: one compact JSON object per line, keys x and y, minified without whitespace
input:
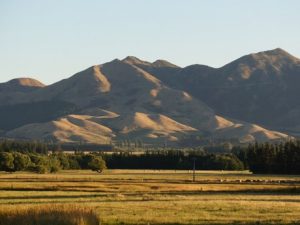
{"x":285,"y":190}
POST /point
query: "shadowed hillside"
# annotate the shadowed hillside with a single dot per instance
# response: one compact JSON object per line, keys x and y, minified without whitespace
{"x":260,"y":88}
{"x":157,"y":102}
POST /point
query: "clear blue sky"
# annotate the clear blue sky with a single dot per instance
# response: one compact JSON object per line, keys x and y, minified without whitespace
{"x":52,"y":39}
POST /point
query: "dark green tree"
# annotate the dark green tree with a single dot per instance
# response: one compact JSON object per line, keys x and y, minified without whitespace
{"x":21,"y":161}
{"x":97,"y":164}
{"x":6,"y":161}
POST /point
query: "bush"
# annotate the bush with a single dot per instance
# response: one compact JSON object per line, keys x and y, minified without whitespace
{"x":21,"y":161}
{"x":97,"y":164}
{"x":41,"y":169}
{"x":64,"y":161}
{"x":6,"y":161}
{"x":54,"y":164}
{"x":73,"y":163}
{"x":39,"y":164}
{"x":228,"y":162}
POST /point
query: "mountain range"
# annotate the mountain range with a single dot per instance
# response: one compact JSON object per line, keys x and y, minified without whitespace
{"x":254,"y":98}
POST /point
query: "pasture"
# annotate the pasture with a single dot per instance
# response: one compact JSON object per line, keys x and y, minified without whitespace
{"x":157,"y":197}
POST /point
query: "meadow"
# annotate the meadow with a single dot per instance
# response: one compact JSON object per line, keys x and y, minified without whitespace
{"x":151,"y":197}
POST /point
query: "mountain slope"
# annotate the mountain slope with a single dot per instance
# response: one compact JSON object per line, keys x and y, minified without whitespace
{"x":125,"y":99}
{"x":68,"y":129}
{"x":260,"y":88}
{"x":17,"y":89}
{"x":21,"y":85}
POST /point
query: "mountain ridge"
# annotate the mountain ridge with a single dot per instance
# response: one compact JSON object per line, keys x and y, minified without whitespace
{"x":153,"y":102}
{"x":258,"y":88}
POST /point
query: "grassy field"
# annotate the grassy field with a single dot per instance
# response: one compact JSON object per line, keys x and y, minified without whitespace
{"x":159,"y":197}
{"x":48,"y":215}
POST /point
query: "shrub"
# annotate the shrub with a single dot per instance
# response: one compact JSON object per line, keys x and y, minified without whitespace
{"x":21,"y":161}
{"x":54,"y":164}
{"x":73,"y":163}
{"x":6,"y":161}
{"x":38,"y":169}
{"x":64,"y":161}
{"x":97,"y":164}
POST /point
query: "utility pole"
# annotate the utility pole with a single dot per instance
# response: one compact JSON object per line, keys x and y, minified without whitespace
{"x":194,"y":169}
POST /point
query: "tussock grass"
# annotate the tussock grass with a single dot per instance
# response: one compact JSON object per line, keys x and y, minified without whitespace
{"x":48,"y":215}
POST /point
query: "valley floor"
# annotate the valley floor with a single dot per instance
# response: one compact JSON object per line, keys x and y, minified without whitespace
{"x":160,"y":197}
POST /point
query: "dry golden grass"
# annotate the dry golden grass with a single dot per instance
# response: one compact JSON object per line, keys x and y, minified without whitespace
{"x":47,"y":215}
{"x":160,"y":197}
{"x":29,"y":82}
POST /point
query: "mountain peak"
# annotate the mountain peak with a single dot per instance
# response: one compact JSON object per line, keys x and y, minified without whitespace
{"x":134,"y":60}
{"x":279,"y":51}
{"x":21,"y":85}
{"x":277,"y":54}
{"x":277,"y":59}
{"x":158,"y":63}
{"x":25,"y":82}
{"x":163,"y":63}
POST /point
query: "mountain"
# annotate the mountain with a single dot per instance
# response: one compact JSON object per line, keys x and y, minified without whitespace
{"x":120,"y":100}
{"x":17,"y":89}
{"x":21,"y":85}
{"x":261,"y":88}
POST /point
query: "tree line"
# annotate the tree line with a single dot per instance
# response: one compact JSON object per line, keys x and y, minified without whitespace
{"x":279,"y":158}
{"x":271,"y":158}
{"x":24,"y":146}
{"x":11,"y":161}
{"x":45,"y":147}
{"x":173,"y":159}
